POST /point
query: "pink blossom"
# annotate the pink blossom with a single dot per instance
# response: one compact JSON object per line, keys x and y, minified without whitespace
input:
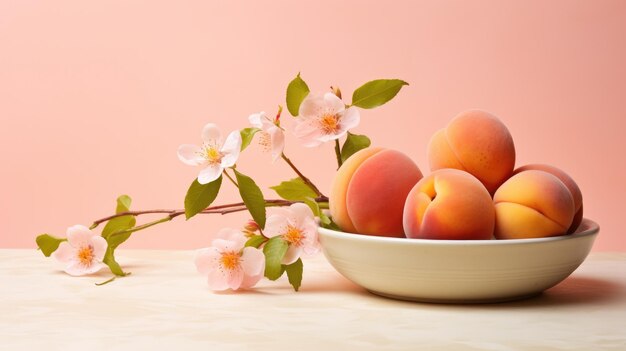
{"x":83,"y":251}
{"x":213,"y":155}
{"x":324,"y":118}
{"x":271,"y":136}
{"x":296,"y":225}
{"x":228,"y":264}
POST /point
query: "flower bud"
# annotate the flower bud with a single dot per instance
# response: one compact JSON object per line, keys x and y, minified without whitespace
{"x":277,"y":119}
{"x":251,"y":226}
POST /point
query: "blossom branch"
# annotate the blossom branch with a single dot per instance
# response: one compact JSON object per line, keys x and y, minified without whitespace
{"x":222,"y":209}
{"x":145,"y":226}
{"x":306,"y":180}
{"x":231,"y":179}
{"x":219,"y":209}
{"x":338,"y":153}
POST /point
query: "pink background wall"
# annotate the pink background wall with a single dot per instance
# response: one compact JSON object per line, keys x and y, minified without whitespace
{"x":95,"y":97}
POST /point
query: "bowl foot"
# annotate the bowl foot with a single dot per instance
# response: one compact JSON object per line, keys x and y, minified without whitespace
{"x":458,"y":301}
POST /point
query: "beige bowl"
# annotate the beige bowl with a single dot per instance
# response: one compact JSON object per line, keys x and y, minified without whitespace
{"x":457,"y":271}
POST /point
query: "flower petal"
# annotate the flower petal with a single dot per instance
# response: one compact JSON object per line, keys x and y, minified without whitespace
{"x":275,"y":224}
{"x":292,"y":254}
{"x":231,"y":149}
{"x":236,"y":237}
{"x":267,"y":123}
{"x":308,"y":132}
{"x":310,"y":242}
{"x":330,"y":137}
{"x":224,"y":245}
{"x":207,"y":259}
{"x":64,"y":253}
{"x":250,"y":280}
{"x":312,"y":106}
{"x":210,"y":173}
{"x":256,"y":119}
{"x":252,"y":261}
{"x":253,"y":270}
{"x":277,"y":138}
{"x":305,"y":127}
{"x":234,"y":278}
{"x":190,"y":154}
{"x":94,"y":267}
{"x":79,"y":236}
{"x":217,"y":280}
{"x":299,"y":212}
{"x":211,"y":134}
{"x":99,"y":245}
{"x":333,"y":103}
{"x":350,"y":119}
{"x":311,"y":250}
{"x":75,"y":268}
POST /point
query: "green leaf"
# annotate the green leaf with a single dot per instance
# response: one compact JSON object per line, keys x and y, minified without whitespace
{"x":109,"y":260}
{"x":376,"y":92}
{"x":255,"y":241}
{"x":115,"y":225}
{"x":313,"y":205}
{"x":246,"y":136}
{"x":317,"y":212}
{"x":329,"y":224}
{"x":200,"y":196}
{"x":294,"y":190}
{"x":297,"y":90}
{"x":48,"y":243}
{"x":107,"y":281}
{"x":119,"y":223}
{"x":325,"y":221}
{"x":354,"y":143}
{"x":294,"y":273}
{"x":123,"y":203}
{"x":274,"y":251}
{"x":252,"y":196}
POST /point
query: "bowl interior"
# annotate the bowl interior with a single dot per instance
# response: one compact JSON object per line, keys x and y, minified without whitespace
{"x":586,"y":227}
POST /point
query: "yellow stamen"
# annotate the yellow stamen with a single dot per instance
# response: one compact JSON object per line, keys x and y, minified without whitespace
{"x":329,"y":123}
{"x":212,"y":154}
{"x":86,"y":255}
{"x":293,"y":235}
{"x":230,"y":260}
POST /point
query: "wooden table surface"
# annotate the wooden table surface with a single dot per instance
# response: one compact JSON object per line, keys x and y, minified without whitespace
{"x":166,"y":305}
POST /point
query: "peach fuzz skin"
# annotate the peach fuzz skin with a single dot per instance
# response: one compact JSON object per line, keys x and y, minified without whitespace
{"x":569,"y":183}
{"x":449,"y":204}
{"x":478,"y":143}
{"x":369,"y":190}
{"x":533,"y":204}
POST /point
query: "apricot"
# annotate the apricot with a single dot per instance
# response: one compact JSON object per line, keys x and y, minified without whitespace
{"x":449,"y":204}
{"x":476,"y":142}
{"x":533,"y":204}
{"x":569,"y":183}
{"x":369,"y":190}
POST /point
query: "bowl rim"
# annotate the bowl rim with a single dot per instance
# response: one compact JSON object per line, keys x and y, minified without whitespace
{"x":587,"y":228}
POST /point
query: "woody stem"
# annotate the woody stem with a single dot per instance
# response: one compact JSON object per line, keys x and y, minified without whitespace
{"x":306,"y":180}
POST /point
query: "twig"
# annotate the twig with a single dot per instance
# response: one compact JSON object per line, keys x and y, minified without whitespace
{"x":231,"y":178}
{"x":219,"y":209}
{"x":338,"y":153}
{"x":306,"y":180}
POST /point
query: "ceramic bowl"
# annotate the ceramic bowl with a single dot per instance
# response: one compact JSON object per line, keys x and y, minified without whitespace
{"x":457,"y":271}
